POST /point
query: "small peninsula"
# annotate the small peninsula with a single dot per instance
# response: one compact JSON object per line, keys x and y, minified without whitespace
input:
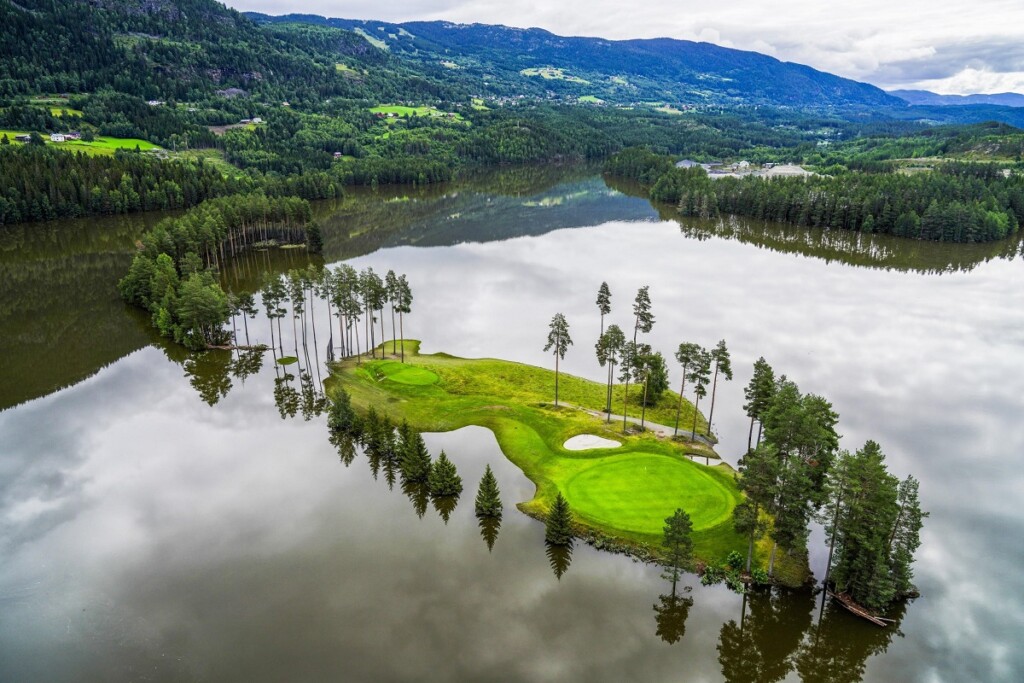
{"x":620,"y":495}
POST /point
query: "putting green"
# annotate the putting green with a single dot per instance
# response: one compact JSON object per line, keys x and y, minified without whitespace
{"x":636,"y":492}
{"x":406,"y":374}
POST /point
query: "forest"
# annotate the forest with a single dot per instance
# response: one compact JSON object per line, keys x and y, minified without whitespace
{"x":957,"y":202}
{"x":173,"y":276}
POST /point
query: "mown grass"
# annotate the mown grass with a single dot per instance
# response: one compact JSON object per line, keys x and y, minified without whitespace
{"x":100,"y":146}
{"x":402,"y":110}
{"x":626,"y":492}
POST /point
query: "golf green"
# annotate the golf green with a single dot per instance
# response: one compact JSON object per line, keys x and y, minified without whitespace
{"x":636,"y":492}
{"x":406,"y":374}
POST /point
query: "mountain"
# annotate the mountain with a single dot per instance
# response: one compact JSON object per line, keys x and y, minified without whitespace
{"x":1005,"y":99}
{"x":507,"y":61}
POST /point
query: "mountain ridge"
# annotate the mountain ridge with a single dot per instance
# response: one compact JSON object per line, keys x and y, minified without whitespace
{"x":926,"y":97}
{"x":677,"y":71}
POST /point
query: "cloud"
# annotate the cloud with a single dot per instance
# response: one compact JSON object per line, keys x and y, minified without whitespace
{"x":963,"y":48}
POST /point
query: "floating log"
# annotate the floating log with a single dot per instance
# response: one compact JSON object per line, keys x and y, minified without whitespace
{"x":846,"y":601}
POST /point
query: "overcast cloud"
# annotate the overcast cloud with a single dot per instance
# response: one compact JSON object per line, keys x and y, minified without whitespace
{"x":947,"y":46}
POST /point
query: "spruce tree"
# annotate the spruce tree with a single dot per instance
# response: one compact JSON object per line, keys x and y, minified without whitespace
{"x":558,"y":527}
{"x":341,"y":418}
{"x":488,"y":497}
{"x":444,"y":479}
{"x":414,"y":461}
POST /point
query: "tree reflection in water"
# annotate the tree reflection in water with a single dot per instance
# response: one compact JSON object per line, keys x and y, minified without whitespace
{"x":559,"y":557}
{"x":489,"y":527}
{"x":670,"y":614}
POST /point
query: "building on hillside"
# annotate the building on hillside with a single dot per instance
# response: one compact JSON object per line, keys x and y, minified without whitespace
{"x":23,"y":138}
{"x":786,"y":170}
{"x":687,"y":163}
{"x":73,"y":135}
{"x":56,"y":137}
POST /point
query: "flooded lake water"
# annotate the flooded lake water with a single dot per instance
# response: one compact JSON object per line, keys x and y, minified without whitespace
{"x":172,"y":518}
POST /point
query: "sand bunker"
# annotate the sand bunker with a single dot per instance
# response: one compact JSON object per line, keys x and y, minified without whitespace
{"x":583,"y":442}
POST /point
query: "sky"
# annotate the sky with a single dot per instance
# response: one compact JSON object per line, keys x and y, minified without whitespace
{"x":946,"y":46}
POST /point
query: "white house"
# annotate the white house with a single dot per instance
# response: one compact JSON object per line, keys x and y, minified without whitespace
{"x":56,"y":137}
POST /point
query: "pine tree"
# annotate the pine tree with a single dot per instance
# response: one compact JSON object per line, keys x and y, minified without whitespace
{"x":342,"y":418}
{"x":604,"y":302}
{"x":444,"y":479}
{"x":558,"y":527}
{"x":723,"y":364}
{"x":559,"y":340}
{"x":414,"y":460}
{"x":758,"y":393}
{"x":488,"y":497}
{"x":687,"y":353}
{"x":677,"y":544}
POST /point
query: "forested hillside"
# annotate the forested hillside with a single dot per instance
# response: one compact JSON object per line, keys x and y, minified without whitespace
{"x":508,"y":61}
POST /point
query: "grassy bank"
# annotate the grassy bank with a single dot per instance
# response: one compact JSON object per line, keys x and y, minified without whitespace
{"x":625,"y":492}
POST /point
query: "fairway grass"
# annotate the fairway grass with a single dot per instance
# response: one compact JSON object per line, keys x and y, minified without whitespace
{"x":625,"y":493}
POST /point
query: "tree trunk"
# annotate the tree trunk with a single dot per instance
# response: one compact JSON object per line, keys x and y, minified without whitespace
{"x":679,"y":407}
{"x":394,"y":339}
{"x":750,"y":434}
{"x":714,"y":388}
{"x":832,"y":538}
{"x":556,"y":376}
{"x":607,"y":401}
{"x":693,"y":434}
{"x":246,"y":323}
{"x":771,"y":561}
{"x":643,"y":406}
{"x":401,"y":331}
{"x":382,"y":345}
{"x":625,"y":398}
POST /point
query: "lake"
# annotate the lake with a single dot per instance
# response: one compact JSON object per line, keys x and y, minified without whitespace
{"x":166,"y":517}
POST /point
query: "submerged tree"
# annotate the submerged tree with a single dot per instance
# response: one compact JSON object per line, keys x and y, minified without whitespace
{"x":559,"y":340}
{"x":686,"y":354}
{"x":604,"y":303}
{"x":723,"y":364}
{"x":488,"y":496}
{"x":558,"y":526}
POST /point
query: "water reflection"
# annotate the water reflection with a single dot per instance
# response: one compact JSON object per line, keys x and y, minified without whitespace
{"x":841,"y":246}
{"x":133,"y":566}
{"x":489,"y":528}
{"x":559,"y":557}
{"x":762,"y":645}
{"x":671,"y":613}
{"x":838,"y":647}
{"x":445,"y":506}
